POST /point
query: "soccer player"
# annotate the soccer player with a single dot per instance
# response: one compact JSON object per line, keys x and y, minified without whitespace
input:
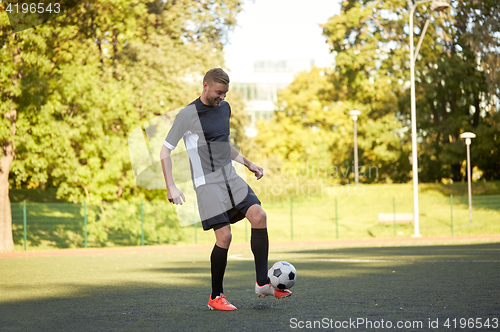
{"x":223,"y":197}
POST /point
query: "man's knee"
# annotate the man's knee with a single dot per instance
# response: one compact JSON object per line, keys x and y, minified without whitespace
{"x":262,"y":217}
{"x":258,"y":217}
{"x":226,"y":238}
{"x":223,"y":237}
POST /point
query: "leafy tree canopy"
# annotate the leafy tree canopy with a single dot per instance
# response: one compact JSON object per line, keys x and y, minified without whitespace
{"x":456,"y":89}
{"x":80,"y":84}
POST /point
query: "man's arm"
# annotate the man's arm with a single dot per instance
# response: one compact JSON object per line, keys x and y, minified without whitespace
{"x":236,"y":156}
{"x":173,"y":193}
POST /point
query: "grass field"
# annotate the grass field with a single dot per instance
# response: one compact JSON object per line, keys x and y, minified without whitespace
{"x":166,"y":289}
{"x":308,"y":219}
{"x":314,"y":219}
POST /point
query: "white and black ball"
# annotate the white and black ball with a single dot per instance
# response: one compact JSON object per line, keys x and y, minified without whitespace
{"x":282,"y":275}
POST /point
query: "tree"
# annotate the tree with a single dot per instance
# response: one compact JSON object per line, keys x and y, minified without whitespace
{"x":316,"y":131}
{"x":296,"y":134}
{"x":370,"y":38}
{"x":73,"y":89}
{"x":23,"y":83}
{"x":370,"y":41}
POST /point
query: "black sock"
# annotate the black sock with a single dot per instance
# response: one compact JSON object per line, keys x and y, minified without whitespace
{"x":259,"y":243}
{"x":218,"y":261}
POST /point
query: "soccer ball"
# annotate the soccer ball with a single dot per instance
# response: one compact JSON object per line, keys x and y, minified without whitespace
{"x":282,"y":275}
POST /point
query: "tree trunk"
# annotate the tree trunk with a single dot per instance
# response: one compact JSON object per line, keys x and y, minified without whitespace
{"x":6,"y":241}
{"x":477,"y":112}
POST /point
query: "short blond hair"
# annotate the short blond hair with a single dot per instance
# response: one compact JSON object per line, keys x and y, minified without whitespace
{"x":216,"y":75}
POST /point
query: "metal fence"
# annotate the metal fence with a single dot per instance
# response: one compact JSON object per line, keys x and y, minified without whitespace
{"x":64,"y":225}
{"x":390,"y":217}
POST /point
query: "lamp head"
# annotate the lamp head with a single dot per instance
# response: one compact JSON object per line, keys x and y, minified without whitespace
{"x":439,"y":5}
{"x":467,"y":136}
{"x":354,"y":114}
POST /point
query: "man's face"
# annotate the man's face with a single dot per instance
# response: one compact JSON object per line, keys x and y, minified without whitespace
{"x":215,"y":92}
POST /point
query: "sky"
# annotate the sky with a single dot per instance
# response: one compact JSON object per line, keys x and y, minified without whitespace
{"x":280,"y":30}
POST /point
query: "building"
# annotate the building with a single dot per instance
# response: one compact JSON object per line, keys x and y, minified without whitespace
{"x":260,"y":82}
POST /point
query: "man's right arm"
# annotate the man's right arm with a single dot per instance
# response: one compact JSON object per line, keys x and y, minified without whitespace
{"x":173,"y":193}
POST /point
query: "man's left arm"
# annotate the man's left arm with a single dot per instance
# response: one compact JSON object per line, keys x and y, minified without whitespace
{"x":236,"y":156}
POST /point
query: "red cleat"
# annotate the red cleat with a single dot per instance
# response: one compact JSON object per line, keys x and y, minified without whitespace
{"x":220,"y":303}
{"x":268,"y":290}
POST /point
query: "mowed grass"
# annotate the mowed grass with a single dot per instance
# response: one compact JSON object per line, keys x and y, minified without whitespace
{"x":315,"y":219}
{"x":342,"y":212}
{"x":168,"y":290}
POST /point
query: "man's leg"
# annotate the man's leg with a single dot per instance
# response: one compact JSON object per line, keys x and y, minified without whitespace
{"x":218,"y":258}
{"x":259,"y":241}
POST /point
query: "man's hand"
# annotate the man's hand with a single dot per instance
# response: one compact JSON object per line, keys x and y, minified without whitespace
{"x":258,"y":171}
{"x":174,"y":195}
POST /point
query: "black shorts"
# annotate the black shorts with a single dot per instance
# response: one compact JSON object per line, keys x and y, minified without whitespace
{"x":221,"y":204}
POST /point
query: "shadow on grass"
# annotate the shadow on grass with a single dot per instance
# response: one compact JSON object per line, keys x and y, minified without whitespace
{"x":460,"y":188}
{"x":390,"y":283}
{"x":419,"y":253}
{"x":35,"y":195}
{"x":489,"y":202}
{"x":485,"y":196}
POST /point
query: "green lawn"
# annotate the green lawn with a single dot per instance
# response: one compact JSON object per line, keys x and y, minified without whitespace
{"x":168,"y":290}
{"x":314,"y":219}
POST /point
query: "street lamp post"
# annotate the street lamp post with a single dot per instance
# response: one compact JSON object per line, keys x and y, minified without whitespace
{"x":438,"y":6}
{"x":468,"y":136}
{"x":354,"y":114}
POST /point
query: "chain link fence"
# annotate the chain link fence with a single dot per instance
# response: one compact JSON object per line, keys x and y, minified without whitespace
{"x":64,"y":225}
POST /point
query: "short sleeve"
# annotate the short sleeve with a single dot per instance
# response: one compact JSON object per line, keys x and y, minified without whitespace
{"x":178,"y":130}
{"x":229,"y":136}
